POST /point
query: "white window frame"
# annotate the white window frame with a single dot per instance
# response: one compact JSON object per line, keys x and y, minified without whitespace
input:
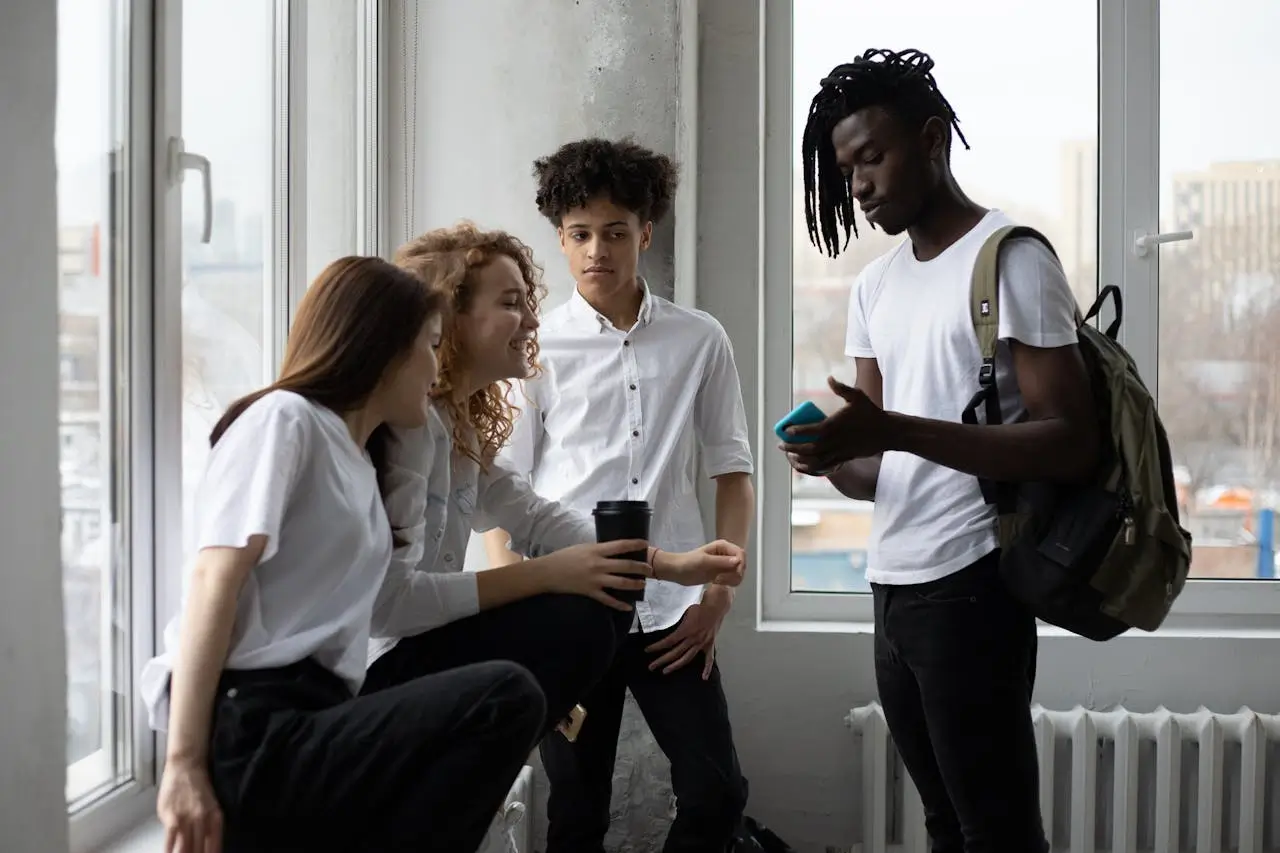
{"x":105,"y":811}
{"x":1128,"y":166}
{"x":152,"y":265}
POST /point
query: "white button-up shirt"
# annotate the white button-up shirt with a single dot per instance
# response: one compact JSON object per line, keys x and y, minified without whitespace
{"x":621,"y":415}
{"x":435,"y":498}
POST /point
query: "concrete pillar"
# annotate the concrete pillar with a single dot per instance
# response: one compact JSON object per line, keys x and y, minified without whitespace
{"x":33,"y":683}
{"x":478,"y":90}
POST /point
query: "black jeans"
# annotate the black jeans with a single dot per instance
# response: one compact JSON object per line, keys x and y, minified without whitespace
{"x":690,"y":720}
{"x":298,"y":764}
{"x":567,"y":642}
{"x":955,"y":665}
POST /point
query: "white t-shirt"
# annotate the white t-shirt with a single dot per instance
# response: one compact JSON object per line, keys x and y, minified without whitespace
{"x":913,"y":319}
{"x":289,"y":469}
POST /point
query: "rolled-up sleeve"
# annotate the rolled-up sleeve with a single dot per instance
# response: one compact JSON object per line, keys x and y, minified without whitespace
{"x":719,"y":416}
{"x":536,"y":525}
{"x":414,"y":597}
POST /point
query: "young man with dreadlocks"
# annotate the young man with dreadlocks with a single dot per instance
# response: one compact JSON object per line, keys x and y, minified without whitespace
{"x":955,"y":654}
{"x":633,"y":388}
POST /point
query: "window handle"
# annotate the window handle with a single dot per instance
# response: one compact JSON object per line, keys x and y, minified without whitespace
{"x":1143,"y":243}
{"x":180,"y":162}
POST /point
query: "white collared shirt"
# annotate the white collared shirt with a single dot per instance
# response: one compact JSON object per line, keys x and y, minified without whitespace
{"x":435,"y":499}
{"x":621,"y":415}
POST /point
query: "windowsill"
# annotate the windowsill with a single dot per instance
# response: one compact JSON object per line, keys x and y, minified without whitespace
{"x":147,"y":837}
{"x":1207,"y":609}
{"x":1205,"y":629}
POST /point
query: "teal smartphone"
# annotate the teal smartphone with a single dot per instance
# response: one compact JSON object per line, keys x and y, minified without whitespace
{"x":802,"y":415}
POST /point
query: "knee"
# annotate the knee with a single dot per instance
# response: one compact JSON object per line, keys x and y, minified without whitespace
{"x":593,"y":630}
{"x":521,"y":701}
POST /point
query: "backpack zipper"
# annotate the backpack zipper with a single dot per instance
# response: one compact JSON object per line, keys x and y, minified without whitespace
{"x":1125,"y":511}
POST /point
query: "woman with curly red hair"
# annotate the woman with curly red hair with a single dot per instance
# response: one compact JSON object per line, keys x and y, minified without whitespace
{"x":553,"y":612}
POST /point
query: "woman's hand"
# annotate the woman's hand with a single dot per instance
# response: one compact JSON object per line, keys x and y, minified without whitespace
{"x":189,"y":810}
{"x":719,"y":562}
{"x":591,"y":570}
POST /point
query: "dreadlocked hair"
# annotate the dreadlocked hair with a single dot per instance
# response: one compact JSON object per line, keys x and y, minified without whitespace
{"x":448,"y":260}
{"x":901,"y":81}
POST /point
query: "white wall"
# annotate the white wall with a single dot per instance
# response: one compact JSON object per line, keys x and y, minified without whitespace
{"x":502,"y":82}
{"x":789,"y":692}
{"x":33,"y":688}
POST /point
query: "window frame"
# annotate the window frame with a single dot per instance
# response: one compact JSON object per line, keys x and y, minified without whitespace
{"x":106,"y":810}
{"x":150,"y":269}
{"x":1128,"y":165}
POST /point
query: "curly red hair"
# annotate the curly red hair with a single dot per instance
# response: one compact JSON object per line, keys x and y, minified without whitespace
{"x":447,"y":259}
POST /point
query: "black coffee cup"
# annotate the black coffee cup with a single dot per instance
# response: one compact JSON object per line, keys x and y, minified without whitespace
{"x":624,"y":520}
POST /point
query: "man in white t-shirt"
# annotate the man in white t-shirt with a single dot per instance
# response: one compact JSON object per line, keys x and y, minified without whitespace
{"x":954,"y":652}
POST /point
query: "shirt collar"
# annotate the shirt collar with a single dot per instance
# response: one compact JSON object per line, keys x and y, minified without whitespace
{"x":581,"y":309}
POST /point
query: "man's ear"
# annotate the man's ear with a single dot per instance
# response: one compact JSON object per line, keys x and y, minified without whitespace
{"x":564,"y":249}
{"x":646,"y":235}
{"x":935,"y":136}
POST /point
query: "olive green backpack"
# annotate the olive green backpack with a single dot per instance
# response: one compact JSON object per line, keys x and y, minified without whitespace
{"x":1100,"y":558}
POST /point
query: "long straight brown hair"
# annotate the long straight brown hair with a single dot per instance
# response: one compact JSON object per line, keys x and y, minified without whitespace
{"x":359,"y":317}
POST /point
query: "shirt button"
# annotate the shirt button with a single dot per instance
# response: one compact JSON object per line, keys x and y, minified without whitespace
{"x":436,"y":536}
{"x":626,"y":343}
{"x":633,"y":387}
{"x":448,"y":558}
{"x":635,"y":481}
{"x":635,"y":433}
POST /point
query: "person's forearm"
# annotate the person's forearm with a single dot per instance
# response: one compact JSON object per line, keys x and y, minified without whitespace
{"x":1052,"y":449}
{"x":856,"y":478}
{"x":503,"y":585}
{"x":206,"y":636}
{"x":495,"y":546}
{"x":735,"y":503}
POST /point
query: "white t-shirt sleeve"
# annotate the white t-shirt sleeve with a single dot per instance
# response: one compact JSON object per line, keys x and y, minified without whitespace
{"x":858,"y":336}
{"x":1037,"y":307}
{"x":251,"y":474}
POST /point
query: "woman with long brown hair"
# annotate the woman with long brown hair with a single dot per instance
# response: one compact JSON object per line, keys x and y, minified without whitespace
{"x":552,"y":613}
{"x":269,"y":747}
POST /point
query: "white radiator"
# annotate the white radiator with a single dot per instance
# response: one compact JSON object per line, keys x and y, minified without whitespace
{"x":1111,"y":782}
{"x":512,"y":829}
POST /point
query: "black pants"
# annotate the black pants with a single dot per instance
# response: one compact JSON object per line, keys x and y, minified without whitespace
{"x":298,"y":764}
{"x":955,"y":665}
{"x":567,"y":642}
{"x":690,"y":720}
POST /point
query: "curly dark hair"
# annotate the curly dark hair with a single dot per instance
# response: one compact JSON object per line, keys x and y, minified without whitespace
{"x":628,"y":174}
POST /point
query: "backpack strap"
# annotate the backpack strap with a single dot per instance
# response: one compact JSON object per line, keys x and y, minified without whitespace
{"x":984,"y":309}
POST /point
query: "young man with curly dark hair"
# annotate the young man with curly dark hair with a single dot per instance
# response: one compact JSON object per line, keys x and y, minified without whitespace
{"x":633,"y":391}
